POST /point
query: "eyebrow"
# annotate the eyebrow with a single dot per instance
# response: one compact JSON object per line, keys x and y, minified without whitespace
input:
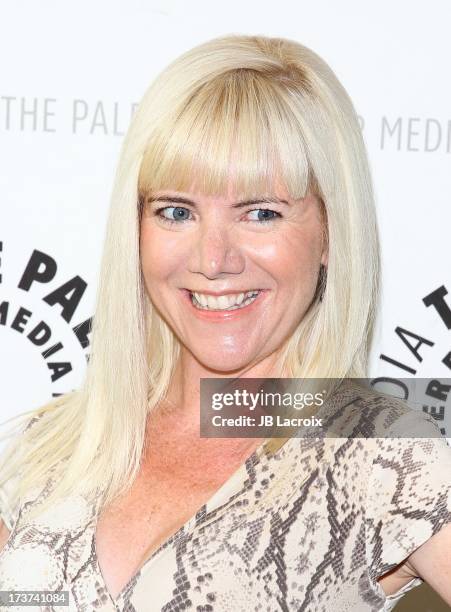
{"x":183,"y":200}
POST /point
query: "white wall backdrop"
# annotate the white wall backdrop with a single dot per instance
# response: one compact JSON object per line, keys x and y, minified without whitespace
{"x":71,"y":73}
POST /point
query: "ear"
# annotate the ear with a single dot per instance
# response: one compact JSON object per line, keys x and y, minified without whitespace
{"x":325,"y":236}
{"x":325,"y":254}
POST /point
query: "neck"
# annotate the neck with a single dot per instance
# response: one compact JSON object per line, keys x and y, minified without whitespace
{"x":176,"y":422}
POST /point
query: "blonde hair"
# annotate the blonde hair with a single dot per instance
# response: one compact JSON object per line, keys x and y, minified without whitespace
{"x":268,"y":107}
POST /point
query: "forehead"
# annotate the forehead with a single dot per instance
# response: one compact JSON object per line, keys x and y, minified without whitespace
{"x":276,"y":190}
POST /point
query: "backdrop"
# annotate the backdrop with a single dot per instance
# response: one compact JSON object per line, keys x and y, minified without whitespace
{"x":72,"y":74}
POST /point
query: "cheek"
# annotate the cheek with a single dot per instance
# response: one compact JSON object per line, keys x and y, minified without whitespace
{"x":148,"y":248}
{"x":154,"y":249}
{"x":293,"y":259}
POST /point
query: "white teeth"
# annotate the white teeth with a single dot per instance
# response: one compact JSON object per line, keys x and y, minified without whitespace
{"x":223,"y":302}
{"x":202,"y":299}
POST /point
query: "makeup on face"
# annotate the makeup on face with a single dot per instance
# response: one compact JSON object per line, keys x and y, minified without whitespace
{"x":232,"y":277}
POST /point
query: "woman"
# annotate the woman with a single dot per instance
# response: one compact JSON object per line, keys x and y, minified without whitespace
{"x":243,"y":174}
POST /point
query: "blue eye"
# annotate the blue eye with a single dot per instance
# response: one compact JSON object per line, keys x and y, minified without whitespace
{"x":265,"y":219}
{"x":177,"y":210}
{"x":181,"y":215}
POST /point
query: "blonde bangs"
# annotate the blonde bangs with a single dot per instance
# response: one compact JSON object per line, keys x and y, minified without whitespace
{"x":238,"y":130}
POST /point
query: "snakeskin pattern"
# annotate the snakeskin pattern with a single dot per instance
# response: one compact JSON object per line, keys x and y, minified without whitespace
{"x":308,"y":529}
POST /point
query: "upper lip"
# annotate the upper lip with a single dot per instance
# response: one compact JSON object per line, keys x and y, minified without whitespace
{"x":225,"y":292}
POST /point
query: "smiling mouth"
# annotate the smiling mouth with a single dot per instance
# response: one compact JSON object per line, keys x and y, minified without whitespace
{"x":223,"y":303}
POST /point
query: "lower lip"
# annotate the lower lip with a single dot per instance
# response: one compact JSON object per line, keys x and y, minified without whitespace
{"x":224,"y":315}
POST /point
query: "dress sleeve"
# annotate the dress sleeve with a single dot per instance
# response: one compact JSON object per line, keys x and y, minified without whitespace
{"x":409,"y":491}
{"x":8,"y":513}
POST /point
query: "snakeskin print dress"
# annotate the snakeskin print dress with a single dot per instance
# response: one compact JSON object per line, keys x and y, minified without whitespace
{"x":307,"y":529}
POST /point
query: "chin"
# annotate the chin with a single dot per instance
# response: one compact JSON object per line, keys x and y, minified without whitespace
{"x":223,"y":365}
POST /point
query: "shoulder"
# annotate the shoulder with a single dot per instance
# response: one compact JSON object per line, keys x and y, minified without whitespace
{"x":390,"y":444}
{"x":357,"y":411}
{"x":8,"y":510}
{"x":10,"y":501}
{"x":403,"y":465}
{"x":408,"y":496}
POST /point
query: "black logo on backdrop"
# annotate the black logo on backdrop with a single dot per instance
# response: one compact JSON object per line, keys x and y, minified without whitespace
{"x":41,"y":269}
{"x":436,"y":394}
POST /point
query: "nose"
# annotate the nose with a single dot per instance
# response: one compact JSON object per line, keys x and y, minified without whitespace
{"x":216,"y":251}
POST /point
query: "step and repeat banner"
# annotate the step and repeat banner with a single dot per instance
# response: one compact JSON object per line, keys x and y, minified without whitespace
{"x":71,"y":77}
{"x":72,"y":74}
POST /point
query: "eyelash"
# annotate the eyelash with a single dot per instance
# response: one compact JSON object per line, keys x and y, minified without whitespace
{"x":172,"y":221}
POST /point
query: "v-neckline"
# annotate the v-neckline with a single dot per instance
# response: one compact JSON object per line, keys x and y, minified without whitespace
{"x":253,"y":459}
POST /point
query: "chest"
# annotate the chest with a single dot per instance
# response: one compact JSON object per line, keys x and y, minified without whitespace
{"x":235,"y":554}
{"x":160,"y":502}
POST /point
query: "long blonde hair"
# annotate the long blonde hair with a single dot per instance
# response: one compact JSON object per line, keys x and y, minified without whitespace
{"x":277,"y":109}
